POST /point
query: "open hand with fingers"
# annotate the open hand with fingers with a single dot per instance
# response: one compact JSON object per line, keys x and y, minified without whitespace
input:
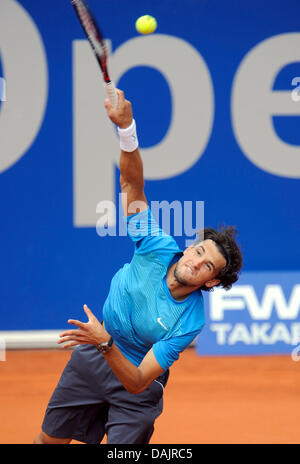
{"x":87,"y":333}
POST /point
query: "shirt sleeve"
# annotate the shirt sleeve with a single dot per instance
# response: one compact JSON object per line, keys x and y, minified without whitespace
{"x":141,"y":225}
{"x":148,"y":237}
{"x":167,"y":351}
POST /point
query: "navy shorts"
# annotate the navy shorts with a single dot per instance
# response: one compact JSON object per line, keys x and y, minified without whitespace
{"x":89,"y":402}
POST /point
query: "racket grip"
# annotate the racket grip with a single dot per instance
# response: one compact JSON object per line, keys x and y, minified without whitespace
{"x":111,"y":93}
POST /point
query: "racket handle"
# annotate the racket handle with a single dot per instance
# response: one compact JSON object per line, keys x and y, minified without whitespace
{"x":111,"y":93}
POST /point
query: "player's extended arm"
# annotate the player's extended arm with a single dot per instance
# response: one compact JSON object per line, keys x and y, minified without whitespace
{"x":134,"y":379}
{"x":131,"y":165}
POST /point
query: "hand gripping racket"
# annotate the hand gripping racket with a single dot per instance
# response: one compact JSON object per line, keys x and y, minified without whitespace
{"x":95,"y":38}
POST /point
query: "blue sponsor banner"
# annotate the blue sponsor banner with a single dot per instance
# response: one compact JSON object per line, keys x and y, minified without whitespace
{"x":216,"y":97}
{"x":260,"y":314}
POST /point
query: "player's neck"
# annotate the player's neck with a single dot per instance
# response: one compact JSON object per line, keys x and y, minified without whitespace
{"x":178,"y":291}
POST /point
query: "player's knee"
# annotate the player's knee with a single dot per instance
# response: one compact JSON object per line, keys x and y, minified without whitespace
{"x":45,"y":439}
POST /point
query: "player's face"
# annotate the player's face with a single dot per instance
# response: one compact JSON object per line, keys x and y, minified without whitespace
{"x":200,"y":265}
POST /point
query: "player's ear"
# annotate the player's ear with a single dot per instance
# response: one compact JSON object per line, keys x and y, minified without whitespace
{"x":212,"y":283}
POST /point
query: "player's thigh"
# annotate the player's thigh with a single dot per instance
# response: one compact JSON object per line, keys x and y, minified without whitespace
{"x":127,"y":426}
{"x":45,"y":439}
{"x":85,"y":423}
{"x":131,"y":418}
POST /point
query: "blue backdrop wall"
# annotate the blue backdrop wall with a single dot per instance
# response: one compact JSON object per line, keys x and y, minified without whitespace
{"x":215,"y":96}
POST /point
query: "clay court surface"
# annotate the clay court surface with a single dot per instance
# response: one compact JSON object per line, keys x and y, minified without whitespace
{"x":208,"y":399}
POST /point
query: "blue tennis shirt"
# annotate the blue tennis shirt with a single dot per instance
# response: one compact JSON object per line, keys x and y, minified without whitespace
{"x":139,"y":312}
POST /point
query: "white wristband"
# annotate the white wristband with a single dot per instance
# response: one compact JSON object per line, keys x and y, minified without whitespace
{"x":128,"y":138}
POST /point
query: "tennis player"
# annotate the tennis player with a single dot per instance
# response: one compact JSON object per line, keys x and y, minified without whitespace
{"x":114,"y":381}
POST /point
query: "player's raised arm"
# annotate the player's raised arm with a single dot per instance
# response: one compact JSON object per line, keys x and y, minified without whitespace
{"x":131,"y":166}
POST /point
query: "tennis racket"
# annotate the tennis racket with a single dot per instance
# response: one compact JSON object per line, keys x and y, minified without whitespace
{"x":95,"y":38}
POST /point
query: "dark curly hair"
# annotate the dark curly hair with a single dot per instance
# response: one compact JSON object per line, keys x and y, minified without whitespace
{"x":224,"y":238}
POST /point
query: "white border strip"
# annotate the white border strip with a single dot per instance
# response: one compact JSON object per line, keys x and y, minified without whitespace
{"x":33,"y":339}
{"x":30,"y":339}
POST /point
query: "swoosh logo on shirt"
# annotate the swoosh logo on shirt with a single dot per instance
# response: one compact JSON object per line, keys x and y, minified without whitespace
{"x":159,"y":321}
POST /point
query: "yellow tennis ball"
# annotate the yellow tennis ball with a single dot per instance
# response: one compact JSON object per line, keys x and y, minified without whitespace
{"x":146,"y":24}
